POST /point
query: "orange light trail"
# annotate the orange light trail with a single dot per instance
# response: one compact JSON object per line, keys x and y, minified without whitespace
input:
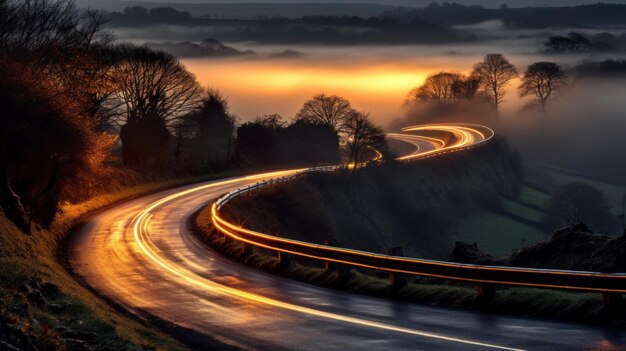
{"x":466,"y":136}
{"x":141,"y":225}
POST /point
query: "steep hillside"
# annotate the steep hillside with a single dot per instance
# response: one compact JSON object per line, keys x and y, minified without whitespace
{"x":419,"y":206}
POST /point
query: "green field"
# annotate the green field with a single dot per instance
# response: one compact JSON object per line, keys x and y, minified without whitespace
{"x":614,"y":193}
{"x":500,"y":233}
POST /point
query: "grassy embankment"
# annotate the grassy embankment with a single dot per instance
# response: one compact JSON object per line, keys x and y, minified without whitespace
{"x":44,"y":306}
{"x":579,"y":307}
{"x":424,"y":208}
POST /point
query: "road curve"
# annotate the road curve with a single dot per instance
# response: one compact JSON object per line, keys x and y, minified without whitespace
{"x":142,"y":255}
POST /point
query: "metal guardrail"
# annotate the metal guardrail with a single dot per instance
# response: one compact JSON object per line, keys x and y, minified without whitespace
{"x":607,"y":283}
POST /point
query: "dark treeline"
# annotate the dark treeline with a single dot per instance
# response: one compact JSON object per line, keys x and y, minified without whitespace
{"x":307,"y":29}
{"x":431,"y":24}
{"x":600,"y":69}
{"x":450,"y":13}
{"x":270,"y":141}
{"x":576,"y":42}
{"x":80,"y":112}
{"x":326,"y":127}
{"x":435,"y":14}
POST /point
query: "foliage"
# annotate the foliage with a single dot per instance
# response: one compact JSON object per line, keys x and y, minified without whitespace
{"x":40,"y":131}
{"x":207,"y":133}
{"x":444,"y":88}
{"x":267,"y":141}
{"x":600,"y":69}
{"x":575,"y":43}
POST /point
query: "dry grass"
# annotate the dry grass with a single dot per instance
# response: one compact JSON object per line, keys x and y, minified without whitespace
{"x":34,"y":263}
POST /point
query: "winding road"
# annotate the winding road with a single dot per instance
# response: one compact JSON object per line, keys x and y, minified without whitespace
{"x":142,"y":255}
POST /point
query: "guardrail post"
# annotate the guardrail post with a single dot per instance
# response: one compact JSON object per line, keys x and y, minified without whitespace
{"x":612,"y":300}
{"x":283,"y":259}
{"x":327,"y":264}
{"x":344,"y":272}
{"x":246,"y":249}
{"x":485,"y":292}
{"x":397,"y":280}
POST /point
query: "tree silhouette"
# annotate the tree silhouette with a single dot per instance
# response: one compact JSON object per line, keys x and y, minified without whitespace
{"x":330,"y":110}
{"x":541,"y":81}
{"x":363,"y":139}
{"x":578,"y":202}
{"x":70,"y":47}
{"x":215,"y":127}
{"x":155,"y":89}
{"x":45,"y":146}
{"x":257,"y":141}
{"x":495,"y":72}
{"x":444,"y":88}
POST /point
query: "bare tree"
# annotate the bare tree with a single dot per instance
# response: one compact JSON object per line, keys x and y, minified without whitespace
{"x":154,"y":82}
{"x":363,"y":137}
{"x":155,"y":89}
{"x":330,"y":110}
{"x":541,"y":81}
{"x":495,"y":72}
{"x":67,"y":46}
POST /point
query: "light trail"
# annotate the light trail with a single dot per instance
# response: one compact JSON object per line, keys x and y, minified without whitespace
{"x":142,"y":255}
{"x":141,"y":236}
{"x":463,"y":136}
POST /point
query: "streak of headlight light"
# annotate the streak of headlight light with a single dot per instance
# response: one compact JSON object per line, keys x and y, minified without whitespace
{"x":466,"y":138}
{"x":141,"y":223}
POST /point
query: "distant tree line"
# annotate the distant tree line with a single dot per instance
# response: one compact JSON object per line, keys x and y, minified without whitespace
{"x":75,"y":106}
{"x":450,"y":13}
{"x":609,"y":68}
{"x":579,"y":43}
{"x":307,"y":29}
{"x":437,"y":14}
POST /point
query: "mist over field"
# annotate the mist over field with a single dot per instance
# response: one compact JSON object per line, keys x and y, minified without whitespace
{"x":194,"y":156}
{"x":376,"y":79}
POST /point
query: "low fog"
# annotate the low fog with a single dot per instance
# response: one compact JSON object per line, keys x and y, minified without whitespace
{"x":582,"y":131}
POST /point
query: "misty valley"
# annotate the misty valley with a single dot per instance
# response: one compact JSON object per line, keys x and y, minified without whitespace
{"x":312,"y":176}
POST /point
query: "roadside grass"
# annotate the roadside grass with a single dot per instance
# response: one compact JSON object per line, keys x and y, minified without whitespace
{"x":531,"y":302}
{"x":497,"y":234}
{"x":44,"y":307}
{"x":518,"y":224}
